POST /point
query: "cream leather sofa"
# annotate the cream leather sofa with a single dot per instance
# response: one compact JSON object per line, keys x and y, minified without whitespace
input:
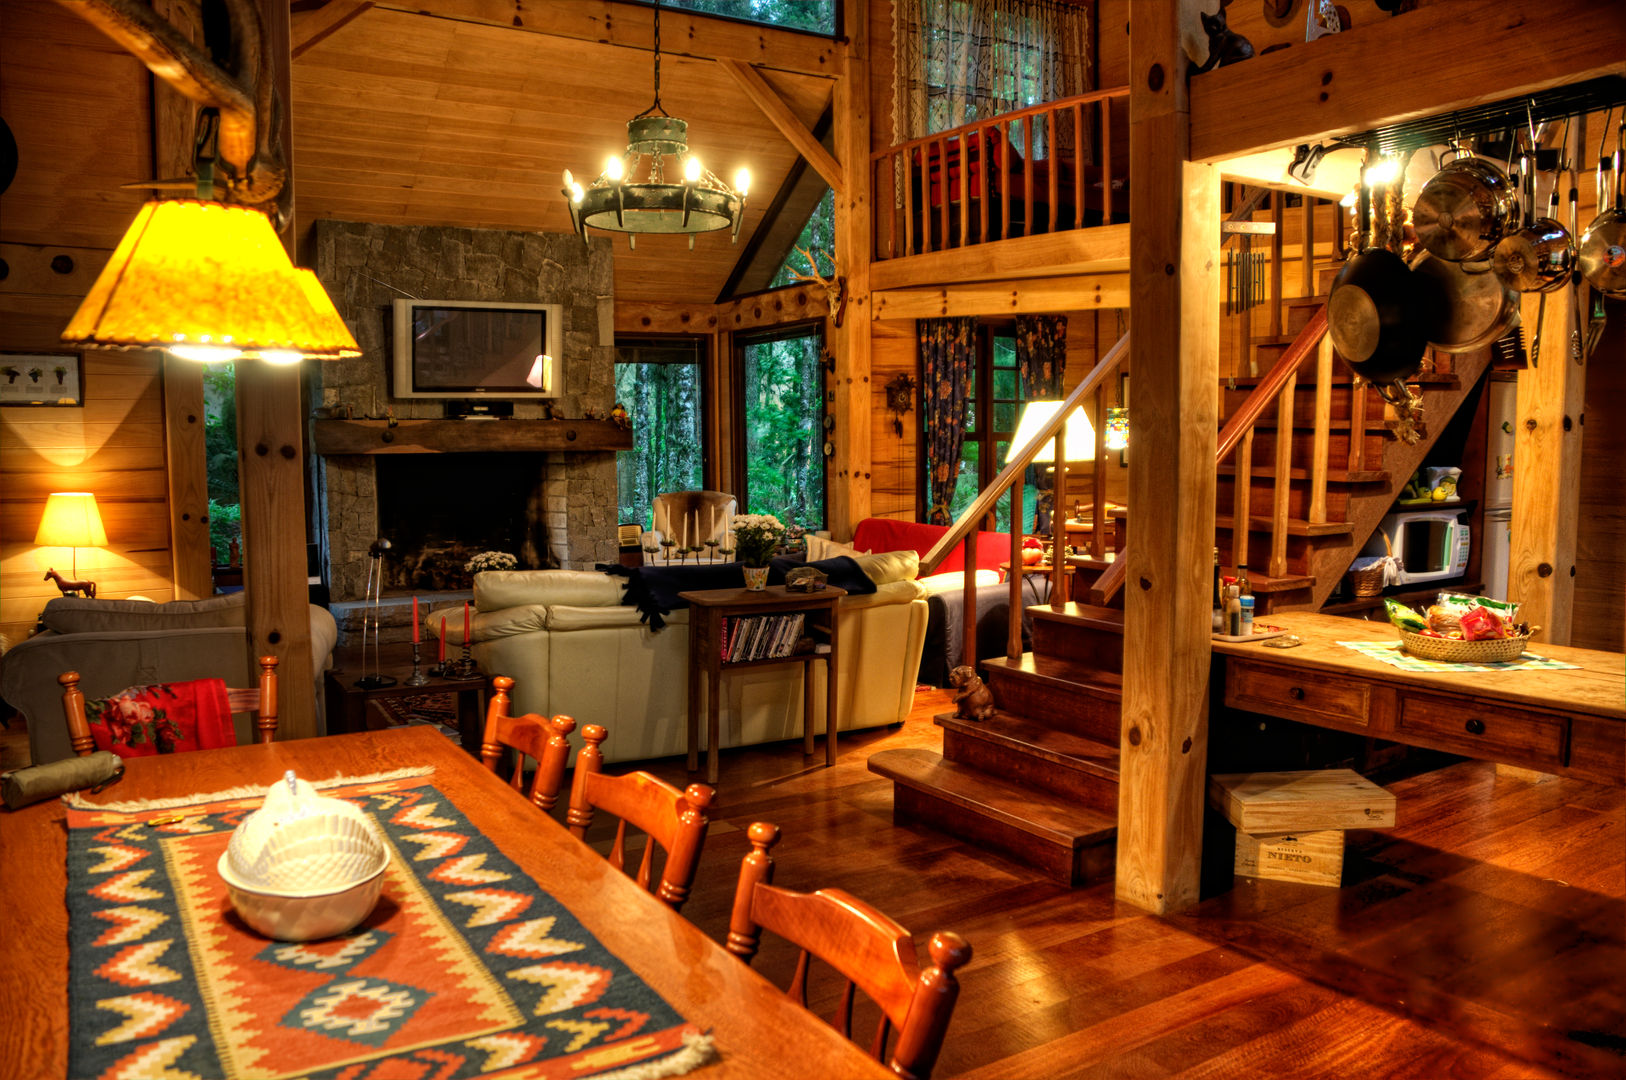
{"x":572,"y":647}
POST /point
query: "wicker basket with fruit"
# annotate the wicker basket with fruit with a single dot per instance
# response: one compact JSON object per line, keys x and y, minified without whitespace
{"x":1462,"y":629}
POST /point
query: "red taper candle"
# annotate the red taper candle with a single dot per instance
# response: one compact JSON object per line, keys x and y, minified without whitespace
{"x":440,"y":655}
{"x":414,"y":620}
{"x":465,"y":622}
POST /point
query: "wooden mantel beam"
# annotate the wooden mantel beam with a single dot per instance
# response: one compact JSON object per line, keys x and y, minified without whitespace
{"x":683,"y":33}
{"x":774,"y":108}
{"x":1422,"y":63}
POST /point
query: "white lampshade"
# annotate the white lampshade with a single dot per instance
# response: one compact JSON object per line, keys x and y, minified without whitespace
{"x":1080,"y":436}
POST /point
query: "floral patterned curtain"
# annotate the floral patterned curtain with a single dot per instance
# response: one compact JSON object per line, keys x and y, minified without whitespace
{"x":948,"y":355}
{"x":965,"y":60}
{"x":1041,"y":354}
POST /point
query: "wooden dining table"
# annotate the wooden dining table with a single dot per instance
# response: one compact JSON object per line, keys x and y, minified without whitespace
{"x":758,"y":1031}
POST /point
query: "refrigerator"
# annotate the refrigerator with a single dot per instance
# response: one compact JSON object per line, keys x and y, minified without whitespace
{"x":1498,"y":531}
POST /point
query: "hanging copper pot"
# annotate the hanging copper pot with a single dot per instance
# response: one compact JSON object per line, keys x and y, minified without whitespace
{"x":1465,"y":210}
{"x":1477,"y":307}
{"x":1540,"y":255}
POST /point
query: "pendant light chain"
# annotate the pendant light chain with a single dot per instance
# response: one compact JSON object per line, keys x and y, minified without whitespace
{"x":658,"y":57}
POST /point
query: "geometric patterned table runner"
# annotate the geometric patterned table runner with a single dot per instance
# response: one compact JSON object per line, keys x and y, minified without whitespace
{"x":465,"y":968}
{"x":1392,"y":652}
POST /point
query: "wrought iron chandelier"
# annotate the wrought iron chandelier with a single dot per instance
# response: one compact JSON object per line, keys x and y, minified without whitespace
{"x":634,"y":194}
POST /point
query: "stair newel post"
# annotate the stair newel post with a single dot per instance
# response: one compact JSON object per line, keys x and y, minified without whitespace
{"x":1242,"y":498}
{"x":1013,"y":580}
{"x":1282,"y":482}
{"x":1323,"y":431}
{"x":970,"y":575}
{"x":1099,"y":489}
{"x":1357,"y":424}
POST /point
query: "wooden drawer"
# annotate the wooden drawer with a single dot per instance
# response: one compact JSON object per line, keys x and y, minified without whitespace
{"x":1293,"y":694}
{"x":1484,"y":730}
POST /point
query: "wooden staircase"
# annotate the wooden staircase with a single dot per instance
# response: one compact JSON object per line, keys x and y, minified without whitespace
{"x":1307,"y":467}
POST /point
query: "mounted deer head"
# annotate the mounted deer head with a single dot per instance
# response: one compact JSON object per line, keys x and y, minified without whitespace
{"x":835,"y":286}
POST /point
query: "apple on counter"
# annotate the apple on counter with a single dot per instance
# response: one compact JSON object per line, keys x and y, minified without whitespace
{"x":1032,"y":551}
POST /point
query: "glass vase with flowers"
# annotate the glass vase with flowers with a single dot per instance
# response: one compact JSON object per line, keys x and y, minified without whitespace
{"x":756,"y":536}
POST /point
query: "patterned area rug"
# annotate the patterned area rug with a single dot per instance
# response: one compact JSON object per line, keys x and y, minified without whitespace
{"x":439,"y":710}
{"x":465,"y":968}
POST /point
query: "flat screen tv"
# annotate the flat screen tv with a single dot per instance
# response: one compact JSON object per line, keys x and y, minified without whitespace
{"x":462,"y":348}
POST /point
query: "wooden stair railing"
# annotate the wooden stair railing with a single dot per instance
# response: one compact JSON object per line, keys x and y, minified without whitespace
{"x":966,"y":526}
{"x":901,"y":181}
{"x":1237,"y":436}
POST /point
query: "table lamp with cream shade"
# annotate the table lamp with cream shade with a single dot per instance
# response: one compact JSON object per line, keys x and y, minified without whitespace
{"x":1078,"y":442}
{"x":71,"y":520}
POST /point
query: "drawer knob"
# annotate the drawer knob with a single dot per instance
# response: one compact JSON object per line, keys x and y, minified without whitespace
{"x":1297,"y":693}
{"x":1475,"y":726}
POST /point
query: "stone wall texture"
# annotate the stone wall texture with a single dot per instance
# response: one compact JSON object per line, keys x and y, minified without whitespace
{"x":364,"y":267}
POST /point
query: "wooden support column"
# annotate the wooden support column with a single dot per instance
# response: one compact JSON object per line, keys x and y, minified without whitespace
{"x":1174,"y":353}
{"x":271,"y":480}
{"x":847,"y":478}
{"x":185,"y":456}
{"x":1547,"y":479}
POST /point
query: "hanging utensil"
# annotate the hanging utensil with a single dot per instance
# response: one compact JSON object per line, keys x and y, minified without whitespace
{"x":1603,"y":245}
{"x":1576,"y":352}
{"x":1379,"y":311}
{"x":1477,"y":308}
{"x":1465,"y":209}
{"x":1539,"y":256}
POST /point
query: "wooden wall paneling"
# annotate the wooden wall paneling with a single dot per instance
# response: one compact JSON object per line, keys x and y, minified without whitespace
{"x":995,"y":298}
{"x":1174,"y":352}
{"x":895,"y":456}
{"x":1075,"y":251}
{"x":849,"y":471}
{"x":1600,"y":535}
{"x":1547,"y":444}
{"x":1344,"y":83}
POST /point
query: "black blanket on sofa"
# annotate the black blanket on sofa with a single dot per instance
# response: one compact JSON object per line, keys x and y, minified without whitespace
{"x":654,"y":590}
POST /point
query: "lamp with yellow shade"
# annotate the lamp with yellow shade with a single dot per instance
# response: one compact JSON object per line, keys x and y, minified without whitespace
{"x":209,"y":282}
{"x":71,"y":520}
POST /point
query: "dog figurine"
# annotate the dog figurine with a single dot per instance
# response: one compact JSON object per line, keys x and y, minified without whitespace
{"x":974,"y":701}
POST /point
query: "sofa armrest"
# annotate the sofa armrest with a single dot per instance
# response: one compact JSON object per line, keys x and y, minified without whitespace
{"x":497,"y":589}
{"x":487,"y":625}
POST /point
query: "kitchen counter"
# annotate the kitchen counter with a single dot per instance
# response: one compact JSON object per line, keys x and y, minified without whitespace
{"x":1570,"y":721}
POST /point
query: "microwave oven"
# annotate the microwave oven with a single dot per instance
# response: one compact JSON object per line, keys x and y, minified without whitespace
{"x":1430,"y":545}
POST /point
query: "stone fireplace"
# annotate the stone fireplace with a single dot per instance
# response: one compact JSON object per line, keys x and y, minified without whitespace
{"x":547,"y":507}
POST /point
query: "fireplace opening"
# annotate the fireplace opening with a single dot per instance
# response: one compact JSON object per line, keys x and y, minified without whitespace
{"x":440,"y":510}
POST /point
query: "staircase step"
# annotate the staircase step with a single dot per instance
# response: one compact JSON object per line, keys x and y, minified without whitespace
{"x":1079,"y":694}
{"x":1071,"y":843}
{"x":1091,"y":616}
{"x":1334,"y":476}
{"x":1295,"y":526}
{"x":1264,"y":583}
{"x":1037,"y":754}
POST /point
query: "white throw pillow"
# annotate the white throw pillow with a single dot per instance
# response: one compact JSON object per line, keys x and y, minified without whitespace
{"x":820,"y":548}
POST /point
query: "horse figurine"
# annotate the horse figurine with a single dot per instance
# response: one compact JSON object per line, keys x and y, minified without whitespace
{"x":71,"y":588}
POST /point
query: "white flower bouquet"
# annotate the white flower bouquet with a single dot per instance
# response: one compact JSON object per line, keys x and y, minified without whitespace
{"x":755,"y":537}
{"x":491,"y":560}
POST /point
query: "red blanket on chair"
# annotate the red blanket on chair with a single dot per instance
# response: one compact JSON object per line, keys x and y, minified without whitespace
{"x":168,"y":718}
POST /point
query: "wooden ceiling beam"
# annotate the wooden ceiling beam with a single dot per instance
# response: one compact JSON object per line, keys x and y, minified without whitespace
{"x":1103,"y":249}
{"x":683,"y":33}
{"x":1087,"y":292}
{"x":1422,"y":63}
{"x":773,"y":106}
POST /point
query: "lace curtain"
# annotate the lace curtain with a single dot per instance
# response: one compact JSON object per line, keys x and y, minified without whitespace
{"x":965,"y":60}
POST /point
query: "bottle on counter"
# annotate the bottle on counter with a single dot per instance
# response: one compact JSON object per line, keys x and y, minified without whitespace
{"x":1244,"y":587}
{"x":1219,"y":596}
{"x":1233,"y":611}
{"x":1247,"y":615}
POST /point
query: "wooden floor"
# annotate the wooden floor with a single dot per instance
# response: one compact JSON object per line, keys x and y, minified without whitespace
{"x":1480,"y":938}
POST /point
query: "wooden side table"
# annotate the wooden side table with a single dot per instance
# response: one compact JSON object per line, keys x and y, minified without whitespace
{"x":346,"y":703}
{"x":707,"y":610}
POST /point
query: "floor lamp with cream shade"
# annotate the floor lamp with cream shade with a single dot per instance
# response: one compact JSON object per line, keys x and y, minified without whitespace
{"x":71,"y":520}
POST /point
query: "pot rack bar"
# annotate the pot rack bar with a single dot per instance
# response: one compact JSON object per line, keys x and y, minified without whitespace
{"x":1496,"y":117}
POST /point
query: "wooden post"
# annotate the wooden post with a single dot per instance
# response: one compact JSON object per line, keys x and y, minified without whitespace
{"x":1547,"y":481}
{"x":271,"y":471}
{"x":848,"y":478}
{"x":1174,"y":353}
{"x":1323,"y":431}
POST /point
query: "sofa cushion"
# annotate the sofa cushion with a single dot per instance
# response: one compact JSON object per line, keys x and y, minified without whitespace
{"x":886,"y":534}
{"x":568,"y":617}
{"x":887,"y":566}
{"x":496,"y":589}
{"x":820,"y":548}
{"x":77,"y":615}
{"x":938,"y":584}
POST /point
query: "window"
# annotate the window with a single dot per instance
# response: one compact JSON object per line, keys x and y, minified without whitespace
{"x":220,"y":459}
{"x":816,"y":16}
{"x":659,"y":382}
{"x":782,"y":411}
{"x":817,"y":236}
{"x":991,"y":413}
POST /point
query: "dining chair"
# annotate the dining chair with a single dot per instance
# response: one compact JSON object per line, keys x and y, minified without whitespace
{"x":261,"y":701}
{"x":871,"y":951}
{"x":675,"y":820}
{"x":541,"y":739}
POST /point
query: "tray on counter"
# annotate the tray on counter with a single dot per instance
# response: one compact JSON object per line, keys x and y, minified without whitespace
{"x":1261,"y":632}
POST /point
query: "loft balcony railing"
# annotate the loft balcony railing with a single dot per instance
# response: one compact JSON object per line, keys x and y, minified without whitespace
{"x":1042,"y":169}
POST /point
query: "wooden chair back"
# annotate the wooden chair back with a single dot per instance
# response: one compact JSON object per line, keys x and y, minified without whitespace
{"x":259,"y":700}
{"x":675,"y":820}
{"x":539,"y":738}
{"x":871,"y":951}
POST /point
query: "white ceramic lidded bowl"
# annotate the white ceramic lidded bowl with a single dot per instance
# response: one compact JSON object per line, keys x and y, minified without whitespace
{"x":304,"y":866}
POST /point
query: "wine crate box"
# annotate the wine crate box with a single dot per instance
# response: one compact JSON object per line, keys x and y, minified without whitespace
{"x":1301,"y":802}
{"x":1311,"y":858}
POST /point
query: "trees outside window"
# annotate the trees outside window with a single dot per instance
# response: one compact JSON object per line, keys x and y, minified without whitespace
{"x":782,"y":410}
{"x":991,"y":413}
{"x":817,"y":16}
{"x":817,"y":236}
{"x":659,"y":381}
{"x":220,"y":458}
